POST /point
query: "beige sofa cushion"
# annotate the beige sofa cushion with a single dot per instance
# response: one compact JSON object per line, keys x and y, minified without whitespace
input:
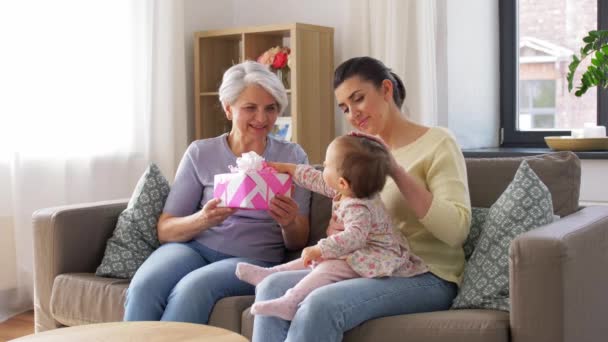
{"x":83,"y":298}
{"x":227,"y":312}
{"x":439,"y":326}
{"x":489,"y":177}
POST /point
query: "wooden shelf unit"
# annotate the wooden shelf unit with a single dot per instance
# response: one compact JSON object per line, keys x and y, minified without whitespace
{"x":311,"y":104}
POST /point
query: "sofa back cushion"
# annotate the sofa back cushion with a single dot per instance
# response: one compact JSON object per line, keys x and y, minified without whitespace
{"x":560,"y":172}
{"x":488,"y":178}
{"x":135,"y":236}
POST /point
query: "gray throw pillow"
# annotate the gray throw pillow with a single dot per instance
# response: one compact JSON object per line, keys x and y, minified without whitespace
{"x":478,"y":217}
{"x":524,"y":205}
{"x":134,"y":237}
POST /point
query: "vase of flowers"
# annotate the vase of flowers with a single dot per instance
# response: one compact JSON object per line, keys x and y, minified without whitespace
{"x":279,"y":59}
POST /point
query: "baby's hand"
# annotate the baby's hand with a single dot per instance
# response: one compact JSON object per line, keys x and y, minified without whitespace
{"x":283,"y":167}
{"x":310,"y":255}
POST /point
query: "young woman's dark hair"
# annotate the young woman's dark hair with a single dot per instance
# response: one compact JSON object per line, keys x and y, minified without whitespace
{"x":372,"y":70}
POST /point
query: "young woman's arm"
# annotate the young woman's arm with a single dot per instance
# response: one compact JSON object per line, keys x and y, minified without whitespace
{"x":444,"y":208}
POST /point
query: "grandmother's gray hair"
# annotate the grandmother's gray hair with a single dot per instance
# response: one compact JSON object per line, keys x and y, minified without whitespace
{"x":239,"y":76}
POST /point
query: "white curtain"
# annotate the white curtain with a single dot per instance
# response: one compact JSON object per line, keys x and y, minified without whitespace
{"x":402,"y":34}
{"x":91,"y":93}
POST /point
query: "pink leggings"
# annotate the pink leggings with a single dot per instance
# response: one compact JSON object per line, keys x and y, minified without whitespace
{"x":327,"y":272}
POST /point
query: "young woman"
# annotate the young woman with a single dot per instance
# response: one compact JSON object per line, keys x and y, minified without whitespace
{"x":427,"y":199}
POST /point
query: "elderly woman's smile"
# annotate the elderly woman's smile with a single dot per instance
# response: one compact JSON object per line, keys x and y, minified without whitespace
{"x":254,"y":112}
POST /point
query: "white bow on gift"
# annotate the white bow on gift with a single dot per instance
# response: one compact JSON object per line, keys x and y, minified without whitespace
{"x":249,"y":162}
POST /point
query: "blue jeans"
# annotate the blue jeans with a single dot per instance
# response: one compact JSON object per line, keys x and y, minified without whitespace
{"x":182,"y":282}
{"x":331,"y":310}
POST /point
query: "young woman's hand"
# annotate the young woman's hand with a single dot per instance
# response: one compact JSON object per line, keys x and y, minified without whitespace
{"x":283,"y":167}
{"x":394,"y":166}
{"x":311,"y":254}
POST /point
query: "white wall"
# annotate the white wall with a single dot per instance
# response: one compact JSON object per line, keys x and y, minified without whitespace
{"x":594,"y":188}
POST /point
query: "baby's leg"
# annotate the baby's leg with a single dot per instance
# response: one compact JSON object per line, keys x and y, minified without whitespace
{"x":254,"y":274}
{"x":285,"y":307}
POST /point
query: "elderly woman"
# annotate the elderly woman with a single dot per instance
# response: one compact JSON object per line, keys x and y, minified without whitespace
{"x":201,"y":242}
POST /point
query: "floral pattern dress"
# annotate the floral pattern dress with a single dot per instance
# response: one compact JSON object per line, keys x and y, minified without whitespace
{"x":368,"y":242}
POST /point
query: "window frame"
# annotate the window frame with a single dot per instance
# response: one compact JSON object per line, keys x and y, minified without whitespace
{"x":509,"y":83}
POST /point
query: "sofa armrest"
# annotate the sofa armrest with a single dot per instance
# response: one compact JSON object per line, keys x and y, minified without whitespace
{"x":68,"y":239}
{"x":559,"y":280}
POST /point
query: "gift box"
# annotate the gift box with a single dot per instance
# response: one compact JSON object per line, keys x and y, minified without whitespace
{"x":251,"y":185}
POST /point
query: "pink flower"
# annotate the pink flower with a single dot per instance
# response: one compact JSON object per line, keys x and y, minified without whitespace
{"x":266,"y":58}
{"x":275,"y":57}
{"x":280,"y":60}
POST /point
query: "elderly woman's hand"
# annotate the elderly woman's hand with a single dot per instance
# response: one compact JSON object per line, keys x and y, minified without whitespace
{"x":212,"y":215}
{"x":284,"y":210}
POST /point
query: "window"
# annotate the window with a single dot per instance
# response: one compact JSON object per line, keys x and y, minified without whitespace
{"x":69,"y":79}
{"x":536,"y":104}
{"x":537,"y":41}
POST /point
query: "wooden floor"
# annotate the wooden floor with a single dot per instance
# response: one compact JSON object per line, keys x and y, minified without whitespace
{"x":17,"y":326}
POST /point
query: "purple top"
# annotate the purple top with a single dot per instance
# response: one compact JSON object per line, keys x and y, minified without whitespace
{"x":247,"y":233}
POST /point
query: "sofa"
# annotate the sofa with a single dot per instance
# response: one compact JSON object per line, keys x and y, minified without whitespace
{"x":558,"y":272}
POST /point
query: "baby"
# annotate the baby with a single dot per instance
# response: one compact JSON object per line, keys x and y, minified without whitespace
{"x":355,"y":170}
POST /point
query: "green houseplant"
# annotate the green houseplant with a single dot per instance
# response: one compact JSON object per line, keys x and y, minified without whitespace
{"x":596,"y":46}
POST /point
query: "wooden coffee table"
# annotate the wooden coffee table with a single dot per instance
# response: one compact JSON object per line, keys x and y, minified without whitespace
{"x":137,"y":331}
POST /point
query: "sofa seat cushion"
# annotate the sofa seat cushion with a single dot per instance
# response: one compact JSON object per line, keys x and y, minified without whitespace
{"x":439,"y":326}
{"x":227,"y":312}
{"x":83,"y":298}
{"x":453,"y":326}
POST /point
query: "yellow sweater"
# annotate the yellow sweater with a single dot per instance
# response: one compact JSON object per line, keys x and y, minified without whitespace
{"x":436,"y":161}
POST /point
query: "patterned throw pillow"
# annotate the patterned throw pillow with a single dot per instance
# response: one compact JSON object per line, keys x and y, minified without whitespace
{"x":524,"y":205}
{"x":478,"y":217}
{"x":134,"y":237}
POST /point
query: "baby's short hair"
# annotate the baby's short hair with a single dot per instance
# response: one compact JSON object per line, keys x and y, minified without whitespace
{"x":365,"y":164}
